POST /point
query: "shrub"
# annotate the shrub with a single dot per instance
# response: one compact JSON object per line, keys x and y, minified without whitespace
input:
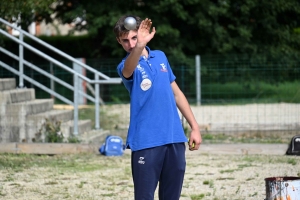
{"x":50,"y":131}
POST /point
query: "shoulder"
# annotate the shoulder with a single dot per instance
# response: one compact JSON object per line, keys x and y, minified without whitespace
{"x":121,"y":65}
{"x":158,"y":54}
{"x":155,"y":52}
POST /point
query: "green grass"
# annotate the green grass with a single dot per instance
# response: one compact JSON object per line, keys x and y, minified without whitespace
{"x":250,"y":92}
{"x":209,"y":182}
{"x":271,"y":159}
{"x":212,"y":93}
{"x":83,"y":176}
{"x":249,"y":137}
{"x":20,"y":162}
{"x":197,"y":197}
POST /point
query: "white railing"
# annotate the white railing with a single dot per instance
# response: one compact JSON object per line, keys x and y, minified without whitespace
{"x":77,"y":76}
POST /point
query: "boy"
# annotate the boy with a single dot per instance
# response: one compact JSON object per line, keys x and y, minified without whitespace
{"x":155,"y":136}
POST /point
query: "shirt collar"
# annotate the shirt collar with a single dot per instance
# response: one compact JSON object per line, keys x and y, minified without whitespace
{"x":151,"y":53}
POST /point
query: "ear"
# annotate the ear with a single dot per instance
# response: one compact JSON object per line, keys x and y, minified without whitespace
{"x":118,"y":39}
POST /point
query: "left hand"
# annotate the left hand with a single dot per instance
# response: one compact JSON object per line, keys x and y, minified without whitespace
{"x":195,"y":140}
{"x":144,"y":34}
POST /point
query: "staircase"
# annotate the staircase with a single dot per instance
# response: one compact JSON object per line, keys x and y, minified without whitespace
{"x":22,"y":115}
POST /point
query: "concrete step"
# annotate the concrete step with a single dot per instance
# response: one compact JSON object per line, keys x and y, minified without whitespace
{"x":29,"y":107}
{"x":16,"y":95}
{"x":27,"y":132}
{"x":34,"y":122}
{"x":7,"y":84}
{"x":83,"y":126}
{"x":13,"y":124}
{"x":58,"y":115}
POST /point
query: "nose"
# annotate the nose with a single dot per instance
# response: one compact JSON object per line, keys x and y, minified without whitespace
{"x":131,"y":43}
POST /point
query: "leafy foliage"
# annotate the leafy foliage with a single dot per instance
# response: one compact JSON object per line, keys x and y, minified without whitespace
{"x":197,"y":26}
{"x":186,"y":27}
{"x":28,"y":10}
{"x":51,"y":131}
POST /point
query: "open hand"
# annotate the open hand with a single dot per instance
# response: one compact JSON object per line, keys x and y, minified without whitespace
{"x":144,"y":33}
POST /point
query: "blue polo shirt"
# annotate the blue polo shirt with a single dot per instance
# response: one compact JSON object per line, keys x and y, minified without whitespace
{"x":154,"y":118}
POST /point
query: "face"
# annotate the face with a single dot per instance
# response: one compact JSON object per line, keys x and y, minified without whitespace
{"x":128,"y":41}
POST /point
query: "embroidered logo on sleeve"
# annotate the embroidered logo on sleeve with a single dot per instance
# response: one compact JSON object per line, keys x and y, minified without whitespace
{"x":163,"y":67}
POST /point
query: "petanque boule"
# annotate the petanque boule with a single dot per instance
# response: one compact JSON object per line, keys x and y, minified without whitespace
{"x":130,"y":23}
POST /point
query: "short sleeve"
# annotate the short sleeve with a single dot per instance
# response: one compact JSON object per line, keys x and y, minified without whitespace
{"x":127,"y":82}
{"x":172,"y":77}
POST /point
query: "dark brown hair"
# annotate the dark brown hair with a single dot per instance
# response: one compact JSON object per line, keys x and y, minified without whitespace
{"x":119,"y":28}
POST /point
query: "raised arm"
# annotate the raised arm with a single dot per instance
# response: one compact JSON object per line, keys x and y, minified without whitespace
{"x":142,"y":38}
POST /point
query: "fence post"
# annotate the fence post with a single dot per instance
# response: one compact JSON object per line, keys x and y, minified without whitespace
{"x":52,"y":85}
{"x":75,"y":101}
{"x":198,"y":79}
{"x":81,"y":83}
{"x":21,"y":68}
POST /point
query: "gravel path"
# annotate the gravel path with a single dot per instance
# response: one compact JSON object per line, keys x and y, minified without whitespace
{"x":218,"y":172}
{"x":215,"y":176}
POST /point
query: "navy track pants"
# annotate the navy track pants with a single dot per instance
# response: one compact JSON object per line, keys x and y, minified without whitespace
{"x":164,"y":165}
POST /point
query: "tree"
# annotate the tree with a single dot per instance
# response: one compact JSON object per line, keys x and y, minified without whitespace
{"x":27,"y":10}
{"x":196,"y":26}
{"x":184,"y":27}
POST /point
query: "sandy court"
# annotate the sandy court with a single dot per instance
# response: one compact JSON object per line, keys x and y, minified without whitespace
{"x":280,"y":116}
{"x":216,"y":171}
{"x":91,"y":177}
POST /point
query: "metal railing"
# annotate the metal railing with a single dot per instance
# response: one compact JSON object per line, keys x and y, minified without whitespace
{"x":77,"y":76}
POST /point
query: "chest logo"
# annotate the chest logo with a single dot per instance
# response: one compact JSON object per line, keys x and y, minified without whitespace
{"x":146,"y":84}
{"x":163,"y":67}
